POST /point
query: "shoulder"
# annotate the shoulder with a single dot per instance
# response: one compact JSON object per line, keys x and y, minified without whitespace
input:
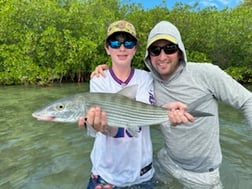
{"x":100,"y":83}
{"x":144,"y":80}
{"x":204,"y":68}
{"x":142,"y":73}
{"x":100,"y":78}
{"x":201,"y":66}
{"x":142,"y":77}
{"x":208,"y":75}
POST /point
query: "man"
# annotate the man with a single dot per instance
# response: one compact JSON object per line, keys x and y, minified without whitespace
{"x":192,"y":152}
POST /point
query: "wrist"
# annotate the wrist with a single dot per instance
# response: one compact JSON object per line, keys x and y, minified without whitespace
{"x":110,"y":131}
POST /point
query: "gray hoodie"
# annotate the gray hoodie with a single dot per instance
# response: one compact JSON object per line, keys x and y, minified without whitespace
{"x":195,"y":146}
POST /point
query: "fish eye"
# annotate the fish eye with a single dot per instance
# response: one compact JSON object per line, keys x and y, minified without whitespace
{"x":60,"y":107}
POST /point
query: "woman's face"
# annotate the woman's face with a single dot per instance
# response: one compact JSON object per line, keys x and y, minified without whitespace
{"x":121,"y":50}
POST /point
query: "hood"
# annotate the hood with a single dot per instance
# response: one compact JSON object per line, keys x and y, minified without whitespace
{"x":168,"y":31}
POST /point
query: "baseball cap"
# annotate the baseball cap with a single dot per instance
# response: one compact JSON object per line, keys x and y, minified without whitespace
{"x":162,"y":36}
{"x":121,"y":26}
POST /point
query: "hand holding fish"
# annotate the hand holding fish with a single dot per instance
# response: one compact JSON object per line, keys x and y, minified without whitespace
{"x":97,"y":118}
{"x":178,"y":113}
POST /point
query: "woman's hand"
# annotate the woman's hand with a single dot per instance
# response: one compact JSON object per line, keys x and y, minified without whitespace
{"x":97,"y":119}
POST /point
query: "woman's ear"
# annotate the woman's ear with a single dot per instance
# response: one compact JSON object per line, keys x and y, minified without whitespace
{"x":107,"y":49}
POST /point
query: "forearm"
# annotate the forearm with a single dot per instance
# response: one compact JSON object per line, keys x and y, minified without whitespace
{"x":107,"y":130}
{"x":247,"y":111}
{"x":110,"y":131}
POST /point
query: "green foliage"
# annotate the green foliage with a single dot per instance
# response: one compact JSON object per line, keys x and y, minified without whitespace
{"x":195,"y":56}
{"x":242,"y":74}
{"x":46,"y":41}
{"x":246,"y":3}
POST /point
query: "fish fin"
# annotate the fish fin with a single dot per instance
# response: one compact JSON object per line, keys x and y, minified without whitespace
{"x":129,"y":91}
{"x":192,"y":106}
{"x":91,"y":131}
{"x":196,"y":113}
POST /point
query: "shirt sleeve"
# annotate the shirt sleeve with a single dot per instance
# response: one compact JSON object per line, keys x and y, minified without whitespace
{"x":228,"y":90}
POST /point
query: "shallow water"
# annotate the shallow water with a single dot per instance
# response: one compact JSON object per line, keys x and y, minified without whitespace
{"x":36,"y":154}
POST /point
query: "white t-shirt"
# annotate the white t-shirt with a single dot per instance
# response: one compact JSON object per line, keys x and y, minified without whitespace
{"x":119,"y":159}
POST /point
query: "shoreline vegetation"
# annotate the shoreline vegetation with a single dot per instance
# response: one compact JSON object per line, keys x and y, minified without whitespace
{"x":53,"y":41}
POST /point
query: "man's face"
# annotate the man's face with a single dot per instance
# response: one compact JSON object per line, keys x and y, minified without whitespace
{"x":165,"y":61}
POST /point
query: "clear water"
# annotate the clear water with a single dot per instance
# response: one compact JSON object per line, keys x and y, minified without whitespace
{"x":39,"y":155}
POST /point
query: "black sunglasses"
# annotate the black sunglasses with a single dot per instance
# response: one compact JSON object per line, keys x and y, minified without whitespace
{"x":168,"y":49}
{"x":117,"y":44}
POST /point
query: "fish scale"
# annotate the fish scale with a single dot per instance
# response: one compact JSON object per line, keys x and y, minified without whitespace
{"x":128,"y":112}
{"x":121,"y":109}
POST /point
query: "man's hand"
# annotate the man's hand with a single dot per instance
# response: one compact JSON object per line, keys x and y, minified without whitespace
{"x":99,"y":70}
{"x":178,"y":113}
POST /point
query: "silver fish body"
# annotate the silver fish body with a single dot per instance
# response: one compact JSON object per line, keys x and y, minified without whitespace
{"x":121,"y":109}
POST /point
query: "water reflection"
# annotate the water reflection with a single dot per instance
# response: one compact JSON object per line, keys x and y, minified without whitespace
{"x":42,"y":155}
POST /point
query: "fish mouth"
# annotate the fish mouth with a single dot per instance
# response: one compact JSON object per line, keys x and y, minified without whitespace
{"x":43,"y":118}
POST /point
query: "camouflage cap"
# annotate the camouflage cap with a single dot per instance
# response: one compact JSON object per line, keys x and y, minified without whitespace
{"x":121,"y":26}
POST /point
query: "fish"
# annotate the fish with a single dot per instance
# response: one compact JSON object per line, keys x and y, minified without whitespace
{"x":121,"y":108}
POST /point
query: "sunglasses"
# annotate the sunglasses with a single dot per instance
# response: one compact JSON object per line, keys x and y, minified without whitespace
{"x":168,"y":49}
{"x":117,"y":44}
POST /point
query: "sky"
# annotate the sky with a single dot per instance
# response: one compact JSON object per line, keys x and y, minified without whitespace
{"x":219,"y":4}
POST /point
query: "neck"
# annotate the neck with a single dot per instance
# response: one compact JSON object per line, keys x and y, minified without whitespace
{"x":122,"y":73}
